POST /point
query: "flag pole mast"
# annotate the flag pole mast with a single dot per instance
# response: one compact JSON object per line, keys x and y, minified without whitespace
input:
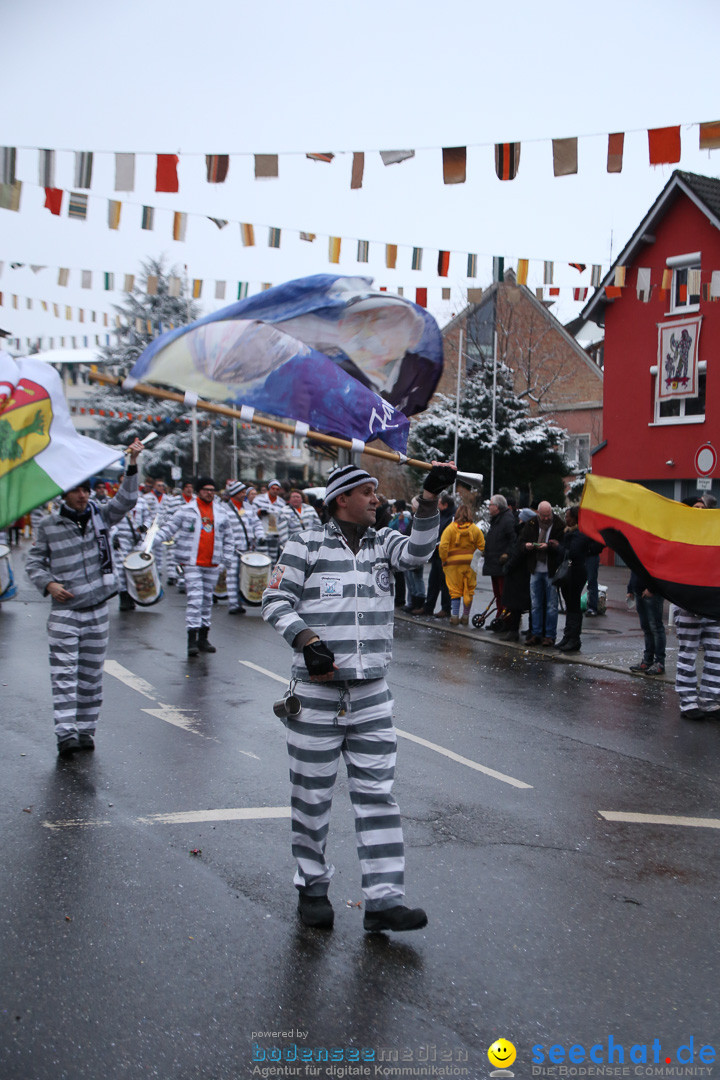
{"x":262,"y":421}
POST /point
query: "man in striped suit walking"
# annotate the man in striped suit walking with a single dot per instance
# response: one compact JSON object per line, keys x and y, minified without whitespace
{"x":331,"y":598}
{"x":71,"y":561}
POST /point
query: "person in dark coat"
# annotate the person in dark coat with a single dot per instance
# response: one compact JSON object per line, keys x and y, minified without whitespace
{"x":541,"y":537}
{"x":516,"y":592}
{"x":499,"y":542}
{"x":575,"y":546}
{"x":436,"y":582}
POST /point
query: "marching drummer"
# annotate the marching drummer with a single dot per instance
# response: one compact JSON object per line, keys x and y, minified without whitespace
{"x":71,"y":561}
{"x":273,"y":513}
{"x":205,"y":542}
{"x":127,"y":536}
{"x":247,"y":532}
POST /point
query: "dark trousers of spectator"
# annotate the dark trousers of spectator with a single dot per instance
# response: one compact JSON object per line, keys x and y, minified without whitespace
{"x":399,"y":588}
{"x":592,"y":562}
{"x":437,"y":586}
{"x":650,"y":614}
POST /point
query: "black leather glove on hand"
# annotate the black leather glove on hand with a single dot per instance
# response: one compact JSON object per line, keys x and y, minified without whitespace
{"x":439,"y":477}
{"x":318,"y":658}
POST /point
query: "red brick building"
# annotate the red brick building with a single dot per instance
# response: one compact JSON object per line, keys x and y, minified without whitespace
{"x":662,"y":330}
{"x":552,"y":372}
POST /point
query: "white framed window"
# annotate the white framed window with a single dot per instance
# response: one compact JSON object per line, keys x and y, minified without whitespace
{"x":682,"y":410}
{"x":577,"y":451}
{"x":685,"y":287}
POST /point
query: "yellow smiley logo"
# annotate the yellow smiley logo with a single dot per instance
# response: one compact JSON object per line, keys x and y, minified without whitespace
{"x":502,"y":1054}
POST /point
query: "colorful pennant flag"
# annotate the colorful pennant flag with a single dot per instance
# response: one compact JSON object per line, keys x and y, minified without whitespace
{"x":565,"y":156}
{"x":363,"y":251}
{"x":391,"y":256}
{"x":10,"y":196}
{"x":548,"y":272}
{"x":114,"y":208}
{"x":129,"y":284}
{"x":445,"y":294}
{"x":474,"y":296}
{"x":522,"y":271}
{"x":580,"y":294}
{"x":620,"y":272}
{"x":673,"y":545}
{"x":217,"y":166}
{"x":197,"y":288}
{"x":498,"y":268}
{"x":471,"y":266}
{"x":179,"y":225}
{"x":643,"y":286}
{"x":326,"y":157}
{"x":454,"y":164}
{"x":148,"y":218}
{"x":664,"y":145}
{"x":710,"y":135}
{"x":417,"y":257}
{"x":358,"y":170}
{"x":166,"y":177}
{"x":247,"y":233}
{"x":151,"y":286}
{"x":86,"y":279}
{"x":109,"y":281}
{"x":124,"y":172}
{"x":394,"y":157}
{"x":334,"y":249}
{"x":46,"y":168}
{"x":309,"y":237}
{"x":266,"y":166}
{"x":77,"y":207}
{"x":53,"y":200}
{"x":443,"y":265}
{"x":273,"y":237}
{"x":83,"y":169}
{"x":242,"y":290}
{"x":596,"y":276}
{"x":220,"y":290}
{"x":580,"y":267}
{"x":507,"y":160}
{"x":174,"y":286}
{"x":220,"y":223}
{"x":616,"y":145}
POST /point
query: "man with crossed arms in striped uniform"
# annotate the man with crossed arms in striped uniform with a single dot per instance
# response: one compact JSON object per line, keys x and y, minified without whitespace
{"x":71,"y":561}
{"x":331,"y":598}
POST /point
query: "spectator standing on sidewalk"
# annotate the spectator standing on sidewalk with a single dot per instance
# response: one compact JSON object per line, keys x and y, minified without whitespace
{"x":436,"y":581}
{"x":576,"y":547}
{"x":650,"y":613}
{"x":499,"y":542}
{"x":541,"y":538}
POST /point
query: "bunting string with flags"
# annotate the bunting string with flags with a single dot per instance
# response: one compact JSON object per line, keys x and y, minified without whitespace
{"x":673,"y":545}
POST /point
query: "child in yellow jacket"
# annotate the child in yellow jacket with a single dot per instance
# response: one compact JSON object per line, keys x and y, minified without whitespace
{"x":458,"y":543}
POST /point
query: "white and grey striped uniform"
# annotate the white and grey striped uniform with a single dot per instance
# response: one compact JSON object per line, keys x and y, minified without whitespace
{"x":200,"y":581}
{"x":348,"y":600}
{"x":304,"y":518}
{"x":274,"y":522}
{"x":77,"y":628}
{"x":693,"y":633}
{"x":247,"y":533}
{"x":129,"y":533}
{"x":162,"y":509}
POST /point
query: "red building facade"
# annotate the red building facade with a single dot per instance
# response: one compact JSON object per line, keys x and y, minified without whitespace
{"x":661,"y":394}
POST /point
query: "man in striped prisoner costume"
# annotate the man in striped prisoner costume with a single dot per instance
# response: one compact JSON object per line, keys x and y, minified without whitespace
{"x":331,"y":598}
{"x":127,"y":536}
{"x":71,"y":561}
{"x":247,"y":531}
{"x":204,"y":544}
{"x":693,"y":633}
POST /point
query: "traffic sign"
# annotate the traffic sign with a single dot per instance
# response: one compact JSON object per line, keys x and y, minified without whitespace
{"x":705,"y":460}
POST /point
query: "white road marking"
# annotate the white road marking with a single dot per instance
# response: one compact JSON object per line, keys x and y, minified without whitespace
{"x":133,"y":681}
{"x":169,"y":713}
{"x":185,"y":817}
{"x":423,"y":742}
{"x":661,"y":819}
{"x":264,"y":671}
{"x":464,"y":761}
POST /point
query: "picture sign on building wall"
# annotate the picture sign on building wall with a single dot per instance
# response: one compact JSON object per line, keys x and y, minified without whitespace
{"x":678,"y":352}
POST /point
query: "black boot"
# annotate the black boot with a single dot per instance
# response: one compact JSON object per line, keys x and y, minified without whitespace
{"x":193,"y":647}
{"x":573,"y":628}
{"x":203,"y":642}
{"x":126,"y":602}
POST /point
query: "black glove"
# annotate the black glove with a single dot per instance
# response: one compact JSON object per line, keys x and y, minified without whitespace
{"x":318,"y":658}
{"x":116,"y":543}
{"x":439,"y":477}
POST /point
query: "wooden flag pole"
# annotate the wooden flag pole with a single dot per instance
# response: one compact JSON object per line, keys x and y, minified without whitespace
{"x":261,"y":421}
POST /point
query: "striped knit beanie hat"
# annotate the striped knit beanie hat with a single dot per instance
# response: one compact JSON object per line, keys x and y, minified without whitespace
{"x":235,"y":488}
{"x":344,"y":479}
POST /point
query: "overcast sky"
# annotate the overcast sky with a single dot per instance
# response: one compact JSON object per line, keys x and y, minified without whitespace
{"x":229,"y":77}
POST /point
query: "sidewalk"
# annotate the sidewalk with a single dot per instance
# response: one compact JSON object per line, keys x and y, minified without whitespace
{"x":612,"y":641}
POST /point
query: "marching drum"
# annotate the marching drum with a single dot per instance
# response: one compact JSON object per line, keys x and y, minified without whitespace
{"x":253,"y":576}
{"x":7,"y":580}
{"x":143,"y":580}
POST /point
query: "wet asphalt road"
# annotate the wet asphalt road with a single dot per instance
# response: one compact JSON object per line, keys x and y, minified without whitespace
{"x":123,"y":954}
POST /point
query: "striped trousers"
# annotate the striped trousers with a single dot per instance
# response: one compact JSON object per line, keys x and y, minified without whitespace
{"x":200,"y":582}
{"x":366,"y":739}
{"x":78,"y":642}
{"x":693,"y":633}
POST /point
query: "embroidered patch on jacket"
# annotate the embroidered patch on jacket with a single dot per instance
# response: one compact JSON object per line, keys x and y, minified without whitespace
{"x":330,"y":587}
{"x":382,"y":577}
{"x":276,"y":576}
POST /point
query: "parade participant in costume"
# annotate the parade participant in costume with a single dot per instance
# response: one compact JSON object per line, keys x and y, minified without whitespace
{"x":458,"y":543}
{"x":204,"y":543}
{"x":301,"y":514}
{"x":273,"y":514}
{"x":247,"y":532}
{"x":71,"y":561}
{"x":331,"y":598}
{"x":128,"y":536}
{"x":161,"y":507}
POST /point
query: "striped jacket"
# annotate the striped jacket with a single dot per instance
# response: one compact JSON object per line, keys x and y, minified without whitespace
{"x":62,"y":553}
{"x":185,"y":525}
{"x":304,"y":518}
{"x":246,"y":526}
{"x":347,"y":600}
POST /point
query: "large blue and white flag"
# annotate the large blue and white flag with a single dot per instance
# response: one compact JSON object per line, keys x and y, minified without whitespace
{"x":326,"y":350}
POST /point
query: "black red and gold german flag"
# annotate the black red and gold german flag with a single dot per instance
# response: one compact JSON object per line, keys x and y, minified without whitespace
{"x":676,"y":546}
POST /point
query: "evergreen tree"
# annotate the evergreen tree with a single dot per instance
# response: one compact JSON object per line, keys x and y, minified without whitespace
{"x":142,"y":317}
{"x":526,"y":447}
